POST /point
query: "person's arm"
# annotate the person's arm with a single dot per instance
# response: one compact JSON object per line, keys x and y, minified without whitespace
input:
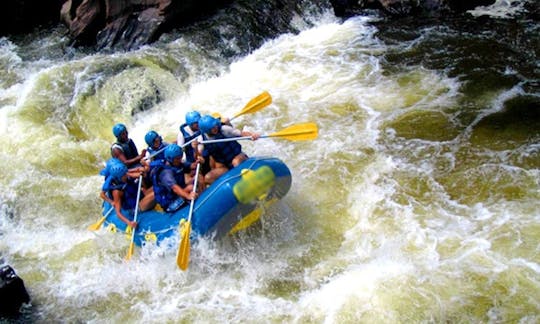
{"x":254,"y":136}
{"x":183,"y":193}
{"x":119,"y":154}
{"x":117,"y":203}
{"x":229,"y":131}
{"x":136,"y":172}
{"x":146,"y":155}
{"x":166,"y":178}
{"x":198,"y":148}
{"x":103,"y":196}
{"x":104,"y":190}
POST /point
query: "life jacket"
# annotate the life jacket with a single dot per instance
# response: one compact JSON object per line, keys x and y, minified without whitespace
{"x":129,"y":199}
{"x":163,"y":195}
{"x":222,"y":152}
{"x":128,"y":148}
{"x":188,"y":149}
{"x":160,"y":155}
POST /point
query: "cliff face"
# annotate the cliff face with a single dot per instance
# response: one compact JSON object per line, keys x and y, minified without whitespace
{"x":128,"y":24}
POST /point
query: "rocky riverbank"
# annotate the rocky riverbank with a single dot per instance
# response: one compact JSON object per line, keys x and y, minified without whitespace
{"x":132,"y":23}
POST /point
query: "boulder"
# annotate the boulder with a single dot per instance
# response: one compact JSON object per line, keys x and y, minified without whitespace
{"x":128,"y":24}
{"x":12,"y":292}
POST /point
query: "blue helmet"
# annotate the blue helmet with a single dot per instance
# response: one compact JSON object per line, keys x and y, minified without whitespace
{"x":112,"y":161}
{"x":117,"y":170}
{"x":114,"y":168}
{"x":118,"y":129}
{"x":172,"y":151}
{"x":207,"y":122}
{"x":150,"y":137}
{"x":192,"y":117}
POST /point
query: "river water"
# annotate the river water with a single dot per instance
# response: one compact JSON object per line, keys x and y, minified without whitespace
{"x":418,"y":202}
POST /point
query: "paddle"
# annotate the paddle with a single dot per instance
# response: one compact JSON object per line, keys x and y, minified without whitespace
{"x":97,"y":225}
{"x":162,"y":149}
{"x":182,"y":256}
{"x":132,"y":244}
{"x":255,"y":104}
{"x":298,"y":132}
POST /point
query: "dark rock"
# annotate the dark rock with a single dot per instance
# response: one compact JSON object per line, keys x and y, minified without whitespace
{"x":128,"y":24}
{"x":84,"y":19}
{"x":402,"y":8}
{"x":23,"y":16}
{"x":12,"y":292}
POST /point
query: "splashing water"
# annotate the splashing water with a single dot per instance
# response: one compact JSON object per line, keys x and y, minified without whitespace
{"x":418,"y":201}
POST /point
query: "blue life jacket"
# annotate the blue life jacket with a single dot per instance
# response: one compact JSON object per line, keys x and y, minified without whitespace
{"x":128,"y":148}
{"x":164,"y":195}
{"x":129,"y":199}
{"x":223,"y":152}
{"x":190,"y":152}
{"x":160,"y":155}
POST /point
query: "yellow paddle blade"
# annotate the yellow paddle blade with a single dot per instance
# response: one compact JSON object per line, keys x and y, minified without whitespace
{"x":298,"y":132}
{"x":182,"y":258}
{"x":256,"y":104}
{"x":97,"y":225}
{"x":130,"y":250}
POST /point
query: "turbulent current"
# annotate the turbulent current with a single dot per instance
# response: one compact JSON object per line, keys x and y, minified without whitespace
{"x":418,"y":202}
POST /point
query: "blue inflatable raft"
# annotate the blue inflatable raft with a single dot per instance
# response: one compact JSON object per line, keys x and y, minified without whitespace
{"x":232,"y":203}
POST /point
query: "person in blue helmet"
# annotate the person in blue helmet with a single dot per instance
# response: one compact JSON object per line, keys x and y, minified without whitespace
{"x":124,"y":148}
{"x":189,"y":132}
{"x":223,"y":155}
{"x":171,"y":189}
{"x":154,"y":155}
{"x":189,"y":138}
{"x":156,"y":146}
{"x":120,"y":190}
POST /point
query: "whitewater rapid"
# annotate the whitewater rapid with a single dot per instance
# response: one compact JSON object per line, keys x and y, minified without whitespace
{"x":404,"y":209}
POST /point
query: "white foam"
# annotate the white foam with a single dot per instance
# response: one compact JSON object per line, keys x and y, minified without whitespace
{"x":505,"y":9}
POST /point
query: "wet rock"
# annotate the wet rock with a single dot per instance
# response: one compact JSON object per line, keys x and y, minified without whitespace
{"x":401,"y":8}
{"x":12,"y":292}
{"x":128,"y":24}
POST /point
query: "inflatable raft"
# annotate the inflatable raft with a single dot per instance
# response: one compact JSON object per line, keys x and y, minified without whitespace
{"x":232,"y":203}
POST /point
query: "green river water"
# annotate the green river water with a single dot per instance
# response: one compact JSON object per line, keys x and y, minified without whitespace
{"x":417,"y":203}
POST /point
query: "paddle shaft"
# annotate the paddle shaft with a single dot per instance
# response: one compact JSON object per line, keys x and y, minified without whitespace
{"x":97,"y":225}
{"x":254,"y":105}
{"x":235,"y":139}
{"x":228,"y":139}
{"x":195,"y":190}
{"x":163,"y":149}
{"x":297,"y":132}
{"x":130,"y":250}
